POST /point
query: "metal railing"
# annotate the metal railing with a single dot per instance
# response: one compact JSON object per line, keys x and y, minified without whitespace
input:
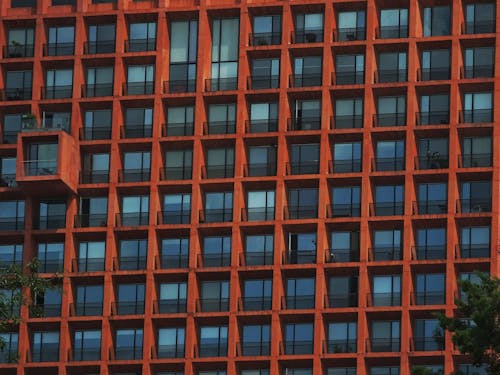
{"x":140,"y":45}
{"x":92,"y":90}
{"x":305,"y":80}
{"x":94,"y":177}
{"x":95,"y":132}
{"x":170,"y":261}
{"x":136,"y":131}
{"x":427,"y":343}
{"x":428,"y":298}
{"x":431,"y":74}
{"x":169,"y":306}
{"x":392,"y":32}
{"x":127,"y":308}
{"x":91,"y":220}
{"x":45,"y":222}
{"x":307,"y":36}
{"x":176,"y":173}
{"x":264,"y":39}
{"x":212,"y":350}
{"x":261,"y":126}
{"x":84,"y":354}
{"x":385,"y":253}
{"x":299,"y":256}
{"x":263,"y":82}
{"x":132,"y":218}
{"x":50,"y":265}
{"x":139,"y":88}
{"x":476,"y":116}
{"x":478,"y":71}
{"x":130,"y":263}
{"x":14,"y":223}
{"x":216,"y":215}
{"x":257,"y":258}
{"x":182,"y":216}
{"x":347,"y":121}
{"x":221,"y":84}
{"x":340,"y":346}
{"x":475,"y":160}
{"x":48,"y":353}
{"x":433,"y":118}
{"x":214,"y":259}
{"x":306,"y":122}
{"x":295,"y":347}
{"x":127,"y":353}
{"x":257,"y":213}
{"x":474,"y":250}
{"x":432,"y":161}
{"x":349,"y":77}
{"x":302,"y":167}
{"x":18,"y":50}
{"x":176,"y":86}
{"x":46,"y":310}
{"x":300,"y":212}
{"x":388,"y":164}
{"x":259,"y":303}
{"x":86,"y":309}
{"x":383,"y":344}
{"x":88,"y":264}
{"x":343,"y":255}
{"x":345,"y":166}
{"x":16,"y":93}
{"x":59,"y":49}
{"x":344,"y":210}
{"x":338,"y":300}
{"x":430,"y":207}
{"x":96,"y":47}
{"x":387,"y":208}
{"x":259,"y":169}
{"x":479,"y":27}
{"x":469,"y":206}
{"x":429,"y":252}
{"x":218,"y":171}
{"x":391,"y":75}
{"x":219,"y":127}
{"x":134,"y":175}
{"x":40,"y":167}
{"x":384,"y":299}
{"x":170,"y":351}
{"x":180,"y":129}
{"x":296,"y":302}
{"x":389,"y":119}
{"x":258,"y":348}
{"x":349,"y":34}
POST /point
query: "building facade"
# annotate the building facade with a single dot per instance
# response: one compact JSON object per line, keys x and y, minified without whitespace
{"x":246,"y":186}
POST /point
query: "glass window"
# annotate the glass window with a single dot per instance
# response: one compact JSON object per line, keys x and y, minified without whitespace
{"x":385,"y":336}
{"x":299,"y":338}
{"x":349,"y":69}
{"x":394,"y":23}
{"x":142,"y":36}
{"x":480,"y":18}
{"x":304,"y":158}
{"x":20,"y":42}
{"x":180,"y":120}
{"x":128,"y":343}
{"x":342,"y":337}
{"x":387,"y":244}
{"x":172,"y":297}
{"x":213,"y":341}
{"x":309,"y":27}
{"x":386,"y":290}
{"x":45,"y":346}
{"x":259,"y":249}
{"x":351,"y":25}
{"x":475,"y":242}
{"x":389,"y":200}
{"x":9,"y":353}
{"x":302,"y":203}
{"x":343,"y":291}
{"x":430,"y":289}
{"x":89,"y":299}
{"x":51,"y":256}
{"x":171,"y":342}
{"x":130,"y":299}
{"x":300,"y":293}
{"x":183,"y":54}
{"x":347,"y":157}
{"x":392,"y":66}
{"x":348,"y":113}
{"x":436,"y":21}
{"x":87,"y":345}
{"x":225,"y":43}
{"x":61,"y":40}
{"x":178,"y":164}
{"x":390,"y":155}
{"x":101,"y":38}
{"x":391,"y":110}
{"x":91,"y":256}
{"x":266,"y":30}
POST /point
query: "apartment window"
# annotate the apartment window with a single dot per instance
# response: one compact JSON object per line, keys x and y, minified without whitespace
{"x":393,"y":23}
{"x":172,"y":297}
{"x":20,"y":43}
{"x":432,"y":198}
{"x":9,"y":353}
{"x":346,"y":201}
{"x":171,"y":342}
{"x":213,"y":341}
{"x":183,"y":54}
{"x":18,"y":84}
{"x":12,"y":215}
{"x":46,"y":304}
{"x":343,"y":291}
{"x":478,"y":107}
{"x":304,"y":158}
{"x":344,"y":246}
{"x":390,"y":155}
{"x":140,"y":79}
{"x":432,"y":153}
{"x":259,"y":249}
{"x":135,"y":210}
{"x":11,"y":127}
{"x":216,"y":251}
{"x":91,"y":256}
{"x":392,"y":67}
{"x":220,"y":162}
{"x":99,"y":81}
{"x":298,"y":371}
{"x":347,"y":157}
{"x":301,"y":248}
{"x":306,"y":115}
{"x":427,"y":335}
{"x":261,"y":161}
{"x":225,"y":47}
{"x":218,"y":206}
{"x":87,"y":345}
{"x":180,"y":121}
{"x":221,"y":118}
{"x":174,"y":252}
{"x":260,"y":371}
{"x":138,"y":122}
{"x":349,"y":69}
{"x":61,"y":41}
{"x":391,"y":110}
{"x":257,"y":294}
{"x":389,"y":200}
{"x":141,"y":36}
{"x":214,"y":296}
{"x":260,"y":205}
{"x":299,"y":338}
{"x":133,"y":254}
{"x":178,"y":164}
{"x":341,"y":371}
{"x":89,"y":300}
{"x":475,"y":196}
{"x":430,"y":243}
{"x":434,"y":109}
{"x":50,"y":256}
{"x":97,"y":125}
{"x":351,"y":25}
{"x":263,"y":117}
{"x":386,"y":245}
{"x":342,"y":337}
{"x":101,"y":38}
{"x":266,"y":30}
{"x":479,"y":62}
{"x":176,"y":208}
{"x":388,"y":370}
{"x":11,"y":254}
{"x":386,"y":290}
{"x":475,"y":242}
{"x":308,"y":28}
{"x":436,"y":21}
{"x":430,"y":289}
{"x":42,"y":159}
{"x":435,"y":65}
{"x":307,"y":71}
{"x":95,"y":168}
{"x":348,"y":113}
{"x":472,"y":277}
{"x":265,"y":74}
{"x":8,"y":171}
{"x":130,"y":299}
{"x":128,"y":343}
{"x":300,"y":292}
{"x":480,"y":18}
{"x":93,"y":212}
{"x":476,"y":152}
{"x":302,"y":203}
{"x":385,"y":336}
{"x":256,"y":340}
{"x":45,"y":346}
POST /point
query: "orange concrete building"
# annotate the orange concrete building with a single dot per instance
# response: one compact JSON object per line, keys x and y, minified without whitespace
{"x":247,"y":187}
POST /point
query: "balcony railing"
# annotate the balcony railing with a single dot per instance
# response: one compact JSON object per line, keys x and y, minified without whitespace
{"x":262,"y":125}
{"x":476,"y":116}
{"x":140,"y":45}
{"x":432,"y":161}
{"x":88,"y":264}
{"x":344,"y":255}
{"x":101,"y":46}
{"x":49,"y":353}
{"x":264,"y":39}
{"x":346,"y":166}
{"x":468,"y":206}
{"x":176,"y":173}
{"x":349,"y":77}
{"x":344,"y":210}
{"x":219,"y":127}
{"x":302,"y":167}
{"x":430,"y":207}
{"x":263,"y":82}
{"x":221,"y":84}
{"x":427,"y":343}
{"x":11,"y":223}
{"x":258,"y":258}
{"x":384,"y":299}
{"x":429,"y":298}
{"x":136,"y":131}
{"x":307,"y":36}
{"x":46,"y":310}
{"x":40,"y":167}
{"x":349,"y":34}
{"x":128,"y":353}
{"x":16,"y":93}
{"x":259,"y":303}
{"x":431,"y":74}
{"x":385,"y":253}
{"x":95,"y":132}
{"x":85,"y":354}
{"x":347,"y":121}
{"x":387,"y":208}
{"x":305,"y":80}
{"x":130,"y":263}
{"x":180,"y":129}
{"x":475,"y":250}
{"x":429,"y":252}
{"x":218,"y":171}
{"x":478,"y":71}
{"x":299,"y":256}
{"x":134,"y":175}
{"x":18,"y":50}
{"x":170,"y":351}
{"x":257,"y":213}
{"x":177,"y":86}
{"x":94,"y":177}
{"x":86,"y":309}
{"x":170,"y":306}
{"x":127,"y":308}
{"x":216,"y":215}
{"x":304,"y":123}
{"x":383,"y":344}
{"x":91,"y":220}
{"x":295,"y":347}
{"x":475,"y":160}
{"x":392,"y":32}
{"x":174,"y":216}
{"x":215,"y":259}
{"x":341,"y":346}
{"x":51,"y":265}
{"x":479,"y":27}
{"x":132,"y":218}
{"x":388,"y":164}
{"x":338,"y":300}
{"x":170,"y":261}
{"x":433,"y":118}
{"x":295,"y":302}
{"x":44,"y":222}
{"x":301,"y":212}
{"x":59,"y":49}
{"x":391,"y":75}
{"x":260,"y":169}
{"x":212,"y":350}
{"x":260,"y":348}
{"x":91,"y":90}
{"x":139,"y":88}
{"x":10,"y":136}
{"x":389,"y":119}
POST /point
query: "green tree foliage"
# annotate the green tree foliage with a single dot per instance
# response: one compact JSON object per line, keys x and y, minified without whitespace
{"x":476,"y":326}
